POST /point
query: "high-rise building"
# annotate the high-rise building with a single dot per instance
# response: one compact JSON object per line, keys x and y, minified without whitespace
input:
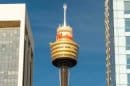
{"x":117,"y":24}
{"x":16,"y":46}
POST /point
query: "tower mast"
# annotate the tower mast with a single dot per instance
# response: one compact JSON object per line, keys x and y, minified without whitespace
{"x":65,"y":10}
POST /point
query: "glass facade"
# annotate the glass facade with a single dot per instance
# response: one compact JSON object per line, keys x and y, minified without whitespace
{"x":117,"y":15}
{"x":9,"y":56}
{"x":127,"y":29}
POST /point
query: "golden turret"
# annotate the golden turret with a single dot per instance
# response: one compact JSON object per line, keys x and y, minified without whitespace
{"x":64,"y":50}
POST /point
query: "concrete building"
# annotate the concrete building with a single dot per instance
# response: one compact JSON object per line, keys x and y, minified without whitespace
{"x":117,"y":24}
{"x":16,"y":46}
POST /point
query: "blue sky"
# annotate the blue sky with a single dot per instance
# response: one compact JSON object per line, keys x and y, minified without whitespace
{"x":86,"y":17}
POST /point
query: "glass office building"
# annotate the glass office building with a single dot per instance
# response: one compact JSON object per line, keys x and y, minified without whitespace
{"x":117,"y":25}
{"x":16,"y":46}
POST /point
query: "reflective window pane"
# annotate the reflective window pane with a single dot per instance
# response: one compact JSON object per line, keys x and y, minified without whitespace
{"x":127,"y":24}
{"x":127,"y":42}
{"x":128,"y":61}
{"x":127,"y":7}
{"x":128,"y":79}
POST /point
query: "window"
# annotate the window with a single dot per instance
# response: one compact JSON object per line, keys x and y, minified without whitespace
{"x":127,"y":24}
{"x":127,"y":7}
{"x":127,"y":42}
{"x":128,"y":61}
{"x":128,"y":79}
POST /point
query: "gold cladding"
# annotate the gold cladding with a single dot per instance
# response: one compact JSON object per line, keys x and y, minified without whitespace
{"x":6,"y":24}
{"x":64,"y":49}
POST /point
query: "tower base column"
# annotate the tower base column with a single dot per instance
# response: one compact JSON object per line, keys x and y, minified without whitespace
{"x":64,"y":75}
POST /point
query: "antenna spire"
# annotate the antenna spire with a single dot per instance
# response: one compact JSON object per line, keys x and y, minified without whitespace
{"x":65,"y":9}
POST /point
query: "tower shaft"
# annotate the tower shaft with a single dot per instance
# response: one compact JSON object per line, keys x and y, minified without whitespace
{"x":64,"y":75}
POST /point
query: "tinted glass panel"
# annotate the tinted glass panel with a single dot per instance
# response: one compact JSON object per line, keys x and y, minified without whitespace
{"x":127,"y":25}
{"x":128,"y":79}
{"x":127,"y":7}
{"x":128,"y":61}
{"x":127,"y":42}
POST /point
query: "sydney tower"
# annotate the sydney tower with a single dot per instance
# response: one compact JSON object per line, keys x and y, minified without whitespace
{"x":64,"y":50}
